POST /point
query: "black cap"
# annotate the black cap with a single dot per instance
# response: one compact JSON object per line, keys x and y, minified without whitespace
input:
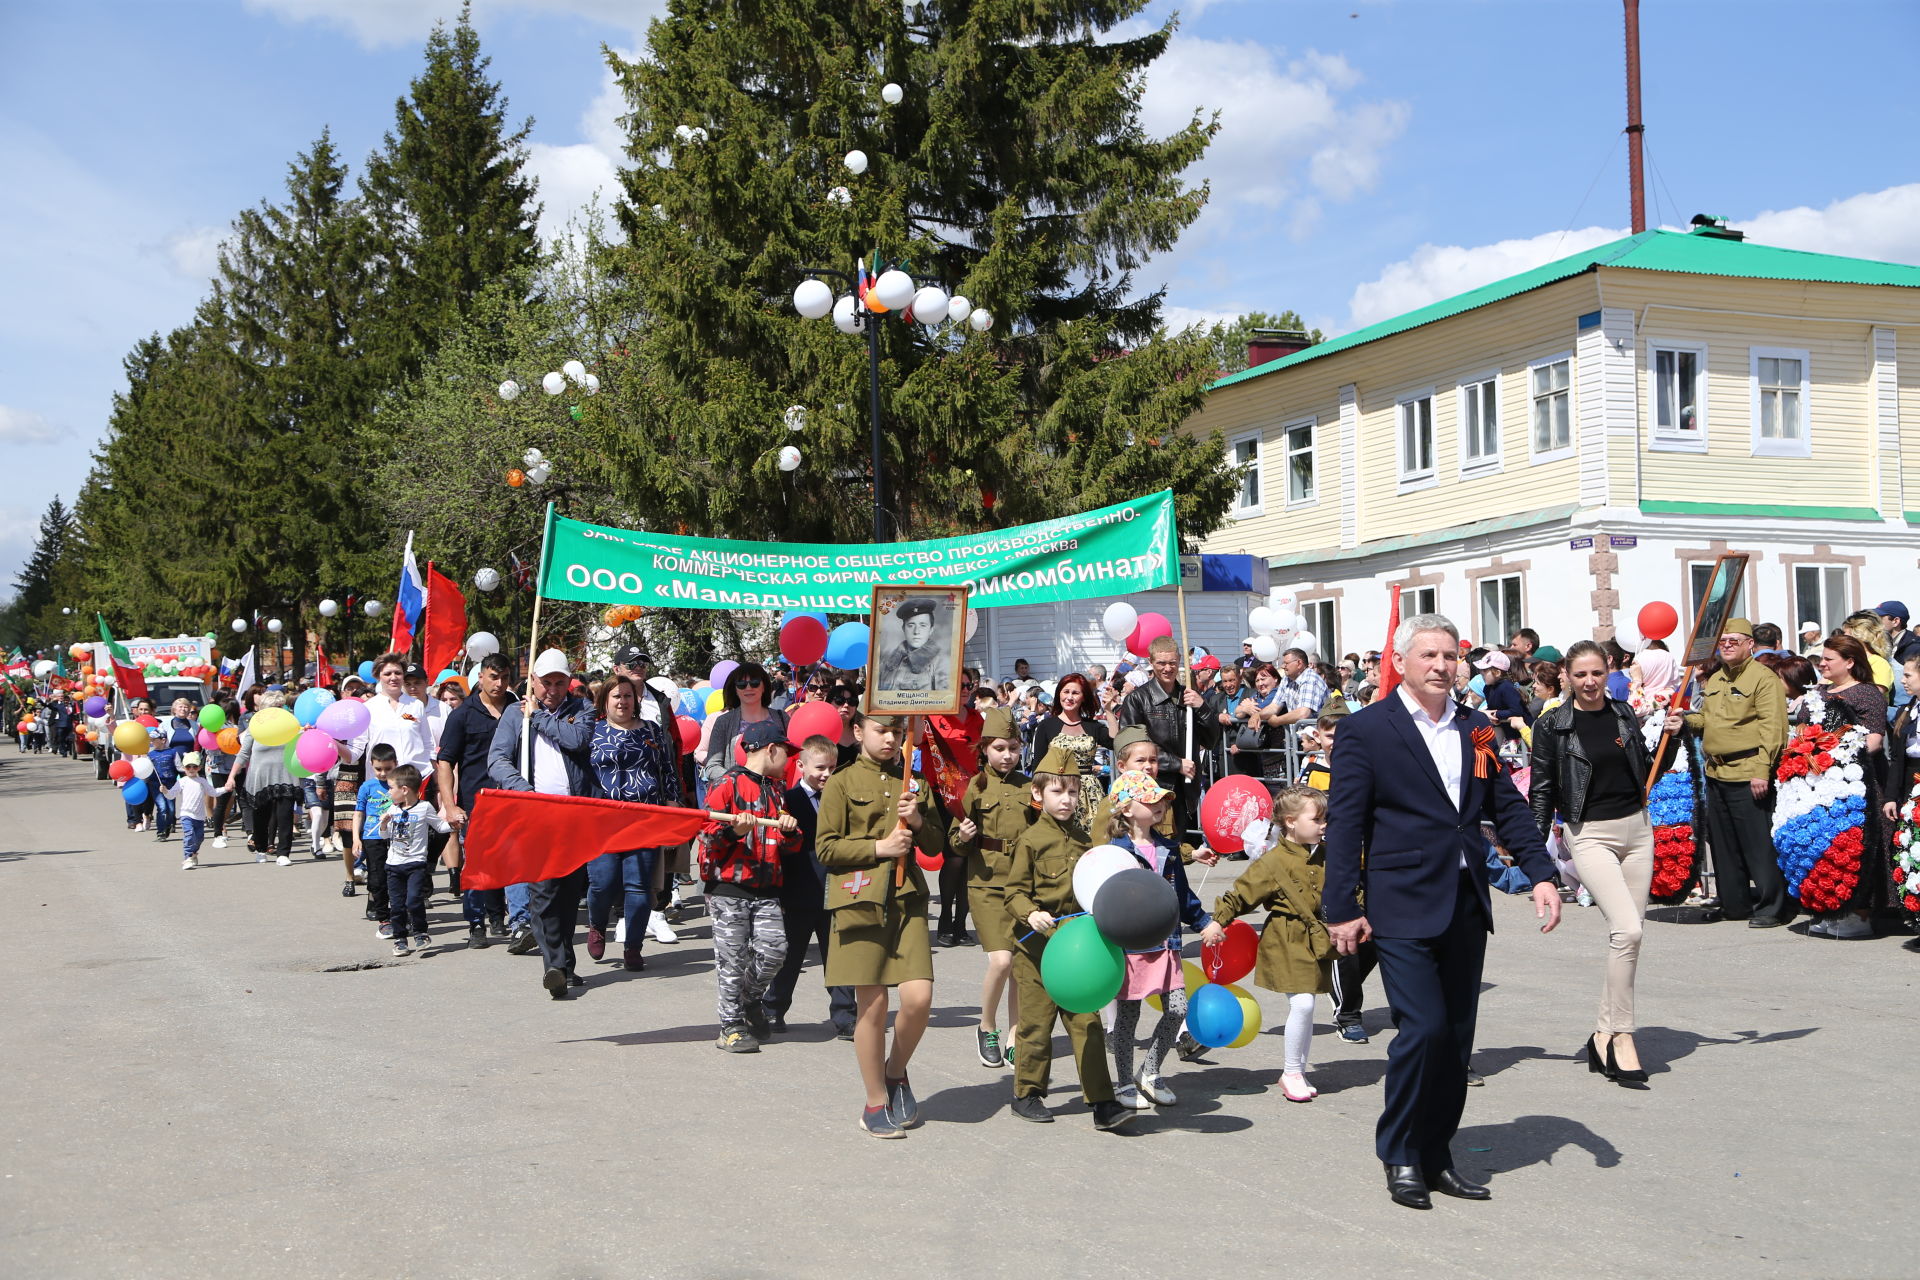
{"x":415,"y":671}
{"x":628,"y":655}
{"x":763,"y":733}
{"x":916,"y":607}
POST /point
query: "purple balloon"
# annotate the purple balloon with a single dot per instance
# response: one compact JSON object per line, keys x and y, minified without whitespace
{"x":721,"y":672}
{"x":96,"y":705}
{"x":343,"y":720}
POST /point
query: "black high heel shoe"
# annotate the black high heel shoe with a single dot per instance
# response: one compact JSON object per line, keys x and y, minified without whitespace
{"x":1594,"y":1063}
{"x":1620,"y":1075}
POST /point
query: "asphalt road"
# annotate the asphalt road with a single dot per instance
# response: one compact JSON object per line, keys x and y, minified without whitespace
{"x":192,"y":1090}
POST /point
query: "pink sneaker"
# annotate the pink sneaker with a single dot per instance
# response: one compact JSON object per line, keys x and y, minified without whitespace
{"x":1295,"y":1086}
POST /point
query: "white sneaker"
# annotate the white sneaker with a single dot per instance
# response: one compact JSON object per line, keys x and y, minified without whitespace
{"x":1155,"y":1090}
{"x":259,"y":857}
{"x":284,"y":860}
{"x":1129,"y":1097}
{"x":360,"y":874}
{"x":620,"y":931}
{"x":186,"y":864}
{"x":661,"y":930}
{"x":219,"y":842}
{"x":1584,"y":898}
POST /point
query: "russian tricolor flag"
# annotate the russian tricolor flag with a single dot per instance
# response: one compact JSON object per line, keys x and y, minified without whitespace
{"x":409,"y":602}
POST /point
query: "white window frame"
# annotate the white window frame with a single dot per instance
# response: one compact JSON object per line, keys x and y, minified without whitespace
{"x":1312,"y":427}
{"x":1671,"y":441}
{"x":1534,"y":453}
{"x":1429,"y":475}
{"x":1509,"y":625}
{"x":1325,"y":642}
{"x":1827,"y":618}
{"x":1410,"y":601}
{"x":1763,"y":448}
{"x":1259,"y":468}
{"x":1463,"y":394}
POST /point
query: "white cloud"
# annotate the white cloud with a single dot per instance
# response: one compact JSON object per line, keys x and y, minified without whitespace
{"x":1884,"y":225}
{"x":572,"y":174}
{"x":24,"y":426}
{"x":1178,"y":318}
{"x":194,"y":252}
{"x":377,"y":23}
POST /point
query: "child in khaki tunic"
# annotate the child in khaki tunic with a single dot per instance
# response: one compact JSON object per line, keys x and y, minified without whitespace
{"x":996,"y":810}
{"x":1296,"y":955}
{"x":869,"y":822}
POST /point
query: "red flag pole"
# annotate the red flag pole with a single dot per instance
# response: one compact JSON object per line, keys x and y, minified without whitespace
{"x":1389,"y":674}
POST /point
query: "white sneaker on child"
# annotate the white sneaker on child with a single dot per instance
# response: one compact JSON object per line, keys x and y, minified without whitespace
{"x":1153,"y":1088}
{"x":186,"y":864}
{"x":1129,"y":1097}
{"x":661,"y":930}
{"x":219,"y":842}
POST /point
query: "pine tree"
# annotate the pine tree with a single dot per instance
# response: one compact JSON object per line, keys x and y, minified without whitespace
{"x":35,"y":585}
{"x":447,"y":194}
{"x":1014,"y":172}
{"x":1230,"y":340}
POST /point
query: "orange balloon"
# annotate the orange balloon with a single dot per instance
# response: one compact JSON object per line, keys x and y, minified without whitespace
{"x":229,"y":739}
{"x":516,"y":477}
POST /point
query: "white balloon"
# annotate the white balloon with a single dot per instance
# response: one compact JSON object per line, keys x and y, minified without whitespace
{"x":142,"y":767}
{"x":1266,"y":648}
{"x":840,"y":195}
{"x":796,"y":417}
{"x":856,"y":162}
{"x":1285,"y":636}
{"x":1119,"y":620}
{"x":845,"y":318}
{"x":789,"y":458}
{"x":973,"y":622}
{"x":372,"y":608}
{"x":1097,"y":866}
{"x":274,"y":625}
{"x":1306,"y":641}
{"x":538,"y":473}
{"x":891,"y":94}
{"x":593,"y":384}
{"x":1284,"y":620}
{"x":45,"y":667}
{"x":684,"y":132}
{"x":930,"y":305}
{"x":980,"y":320}
{"x":531,"y":457}
{"x":238,"y":625}
{"x":894,"y":289}
{"x":958,"y":308}
{"x":487,"y":579}
{"x":812,"y":298}
{"x":509,"y":390}
{"x":329,"y":607}
{"x":1283,"y":598}
{"x":699,"y":133}
{"x":482,"y":645}
{"x":554,"y":383}
{"x":1261,"y":620}
{"x":575,"y":371}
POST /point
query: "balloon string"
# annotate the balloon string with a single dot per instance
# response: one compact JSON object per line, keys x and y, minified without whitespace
{"x":1056,"y":921}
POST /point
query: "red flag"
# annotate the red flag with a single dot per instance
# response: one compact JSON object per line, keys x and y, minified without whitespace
{"x":323,"y":672}
{"x":518,"y":837}
{"x":1389,"y":674}
{"x":446,"y":622}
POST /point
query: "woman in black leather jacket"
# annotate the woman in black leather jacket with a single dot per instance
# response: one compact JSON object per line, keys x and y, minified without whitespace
{"x":1590,"y":765}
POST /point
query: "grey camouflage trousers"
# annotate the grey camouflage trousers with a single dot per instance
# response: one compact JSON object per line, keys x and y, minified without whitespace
{"x":749,"y":946}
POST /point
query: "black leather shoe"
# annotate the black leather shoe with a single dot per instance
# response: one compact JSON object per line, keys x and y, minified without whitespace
{"x":555,"y":981}
{"x":1764,"y":922}
{"x":1449,"y":1183}
{"x":1407,"y":1187}
{"x":1619,"y":1074}
{"x":1031,"y":1107}
{"x":1595,"y":1063}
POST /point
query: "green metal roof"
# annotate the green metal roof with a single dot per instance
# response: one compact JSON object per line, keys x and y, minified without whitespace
{"x":1413,"y":541}
{"x":1678,"y":251}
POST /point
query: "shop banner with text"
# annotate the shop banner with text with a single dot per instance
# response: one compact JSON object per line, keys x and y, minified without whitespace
{"x":1114,"y":551}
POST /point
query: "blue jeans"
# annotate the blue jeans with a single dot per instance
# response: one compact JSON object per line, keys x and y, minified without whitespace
{"x":162,"y":811}
{"x":192,"y":832}
{"x":407,"y":899}
{"x":519,"y":910}
{"x":478,"y":904}
{"x":610,"y":875}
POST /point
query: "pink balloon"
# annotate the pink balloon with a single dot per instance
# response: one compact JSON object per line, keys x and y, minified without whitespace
{"x":207,"y":741}
{"x":1152,"y":627}
{"x":315,"y":751}
{"x":803,"y":641}
{"x":811,"y":718}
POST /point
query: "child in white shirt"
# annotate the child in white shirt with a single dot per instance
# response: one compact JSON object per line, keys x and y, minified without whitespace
{"x":193,"y":795}
{"x":405,"y":826}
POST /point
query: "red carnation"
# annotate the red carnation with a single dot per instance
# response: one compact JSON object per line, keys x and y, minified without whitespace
{"x":1823,"y":762}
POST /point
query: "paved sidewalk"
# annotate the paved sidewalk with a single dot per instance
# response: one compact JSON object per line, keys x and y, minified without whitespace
{"x":191,"y":1092}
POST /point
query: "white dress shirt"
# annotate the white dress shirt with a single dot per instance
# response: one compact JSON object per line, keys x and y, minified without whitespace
{"x":1443,"y":744}
{"x":400,"y":724}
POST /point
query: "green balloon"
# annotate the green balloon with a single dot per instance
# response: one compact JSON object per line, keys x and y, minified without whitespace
{"x":1080,"y":969}
{"x":298,"y":770}
{"x":212,"y":718}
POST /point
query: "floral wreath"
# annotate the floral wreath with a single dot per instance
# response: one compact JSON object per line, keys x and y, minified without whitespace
{"x":1820,"y":813}
{"x":1672,"y":808}
{"x":1906,"y":857}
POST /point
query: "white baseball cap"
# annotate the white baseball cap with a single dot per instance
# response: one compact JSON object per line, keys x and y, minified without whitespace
{"x":1809,"y":626}
{"x":1496,"y":660}
{"x":551,"y":662}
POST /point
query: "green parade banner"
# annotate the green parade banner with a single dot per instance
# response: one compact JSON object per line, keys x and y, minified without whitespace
{"x":1115,"y":551}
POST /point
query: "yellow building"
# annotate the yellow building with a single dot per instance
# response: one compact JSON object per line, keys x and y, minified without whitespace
{"x":1561,"y":447}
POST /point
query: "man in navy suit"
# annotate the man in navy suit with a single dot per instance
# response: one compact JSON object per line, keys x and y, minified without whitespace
{"x":803,"y":897}
{"x":1413,"y":776}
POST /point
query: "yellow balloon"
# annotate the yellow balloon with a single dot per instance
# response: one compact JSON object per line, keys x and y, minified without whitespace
{"x":716,"y":701}
{"x":1250,"y":1015}
{"x":131,"y":738}
{"x":1195,"y":977}
{"x":274,"y":727}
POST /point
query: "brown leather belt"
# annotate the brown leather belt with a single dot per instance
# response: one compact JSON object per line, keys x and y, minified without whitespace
{"x":1730,"y":757}
{"x":990,"y":845}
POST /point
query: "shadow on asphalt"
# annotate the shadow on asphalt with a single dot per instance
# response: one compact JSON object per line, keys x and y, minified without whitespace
{"x":1661,"y":1046}
{"x":1529,"y":1140}
{"x":16,"y":856}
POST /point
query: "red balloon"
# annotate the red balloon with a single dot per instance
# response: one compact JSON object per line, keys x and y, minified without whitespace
{"x":1658,"y":620}
{"x":812,"y":719}
{"x":1233,"y":959}
{"x":148,"y":721}
{"x":1229,"y":805}
{"x":689,"y":733}
{"x":803,"y":641}
{"x":120,"y":770}
{"x":929,"y":861}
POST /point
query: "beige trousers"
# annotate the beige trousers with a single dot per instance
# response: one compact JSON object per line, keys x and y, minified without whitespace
{"x":1615,"y":862}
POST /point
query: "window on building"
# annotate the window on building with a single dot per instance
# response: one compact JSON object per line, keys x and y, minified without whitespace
{"x":1298,"y":438}
{"x":1416,"y":439}
{"x":1245,"y":454}
{"x":1780,"y":402}
{"x":1820,"y":595}
{"x":1552,"y":404}
{"x":1317,"y":616}
{"x":1699,"y":578}
{"x":1419,"y":600}
{"x":1479,"y":424}
{"x":1499,"y":608}
{"x":1679,"y":397}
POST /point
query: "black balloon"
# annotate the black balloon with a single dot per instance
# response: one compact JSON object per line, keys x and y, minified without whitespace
{"x":1136,"y":910}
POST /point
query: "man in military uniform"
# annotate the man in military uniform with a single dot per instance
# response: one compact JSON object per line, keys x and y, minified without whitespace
{"x":917,"y":662}
{"x":996,"y":810}
{"x":1742,"y":723}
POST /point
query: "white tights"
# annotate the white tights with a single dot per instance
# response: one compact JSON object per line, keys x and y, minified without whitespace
{"x":1299,"y":1030}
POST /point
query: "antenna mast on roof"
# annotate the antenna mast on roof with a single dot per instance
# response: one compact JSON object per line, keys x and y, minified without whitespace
{"x":1636,"y":176}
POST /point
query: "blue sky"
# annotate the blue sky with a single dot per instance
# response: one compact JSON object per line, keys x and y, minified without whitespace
{"x":1375,"y":154}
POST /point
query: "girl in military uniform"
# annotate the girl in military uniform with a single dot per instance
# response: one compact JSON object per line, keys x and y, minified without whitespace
{"x":870,"y":821}
{"x":996,"y":810}
{"x":1296,"y":955}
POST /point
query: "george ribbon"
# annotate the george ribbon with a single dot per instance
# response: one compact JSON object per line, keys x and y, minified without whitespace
{"x":1486,"y":761}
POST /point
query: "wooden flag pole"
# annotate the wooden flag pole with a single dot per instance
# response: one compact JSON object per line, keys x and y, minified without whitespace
{"x":533,"y":642}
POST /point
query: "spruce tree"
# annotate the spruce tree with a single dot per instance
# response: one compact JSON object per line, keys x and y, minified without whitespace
{"x":447,"y":194}
{"x":35,"y":584}
{"x":1014,"y":171}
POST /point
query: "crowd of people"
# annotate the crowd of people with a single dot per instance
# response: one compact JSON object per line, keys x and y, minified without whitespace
{"x":843,"y":839}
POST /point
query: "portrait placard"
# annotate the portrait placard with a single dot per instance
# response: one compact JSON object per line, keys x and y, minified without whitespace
{"x":1716,"y":606}
{"x":916,"y":650}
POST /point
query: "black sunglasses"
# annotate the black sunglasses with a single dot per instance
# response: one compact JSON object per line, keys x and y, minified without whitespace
{"x":748,"y":682}
{"x":840,"y":699}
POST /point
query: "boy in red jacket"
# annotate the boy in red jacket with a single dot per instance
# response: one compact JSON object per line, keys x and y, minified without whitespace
{"x":740,"y":866}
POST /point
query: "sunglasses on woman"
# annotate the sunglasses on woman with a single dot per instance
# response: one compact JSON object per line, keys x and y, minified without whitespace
{"x":839,"y":699}
{"x":748,"y":682}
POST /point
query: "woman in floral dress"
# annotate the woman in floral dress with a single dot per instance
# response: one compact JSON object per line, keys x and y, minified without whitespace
{"x":1073,"y":724}
{"x":634,"y":759}
{"x":1852,"y":698}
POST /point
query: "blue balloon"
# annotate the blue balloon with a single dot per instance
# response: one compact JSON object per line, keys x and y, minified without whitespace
{"x":136,"y":791}
{"x":308,"y":706}
{"x":365,"y":671}
{"x":847,"y":647}
{"x":693,"y":703}
{"x":444,"y":676}
{"x":1214,"y":1016}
